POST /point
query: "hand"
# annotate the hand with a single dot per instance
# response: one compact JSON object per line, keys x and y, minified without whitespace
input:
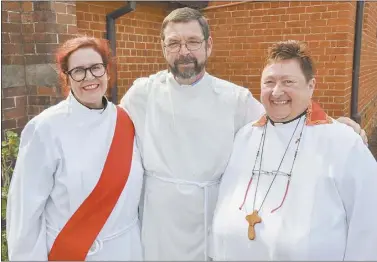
{"x":356,"y":127}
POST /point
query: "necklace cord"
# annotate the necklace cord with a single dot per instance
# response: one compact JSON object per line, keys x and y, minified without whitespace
{"x":261,"y":145}
{"x":290,"y":173}
{"x":251,"y":179}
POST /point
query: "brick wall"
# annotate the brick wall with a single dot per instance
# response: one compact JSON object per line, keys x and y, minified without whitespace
{"x":368,"y":74}
{"x":242,"y":33}
{"x":31,"y":33}
{"x":13,"y":89}
{"x":137,"y":33}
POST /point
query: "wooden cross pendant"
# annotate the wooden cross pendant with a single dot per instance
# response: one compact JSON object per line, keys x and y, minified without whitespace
{"x":253,"y":219}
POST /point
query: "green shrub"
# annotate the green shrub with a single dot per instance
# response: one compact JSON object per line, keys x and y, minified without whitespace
{"x":9,"y":151}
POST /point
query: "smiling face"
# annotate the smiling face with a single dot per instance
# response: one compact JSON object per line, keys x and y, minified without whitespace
{"x":186,"y":64}
{"x":89,"y":91}
{"x":285,"y":92}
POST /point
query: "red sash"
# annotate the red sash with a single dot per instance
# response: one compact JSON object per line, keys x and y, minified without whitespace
{"x":79,"y":233}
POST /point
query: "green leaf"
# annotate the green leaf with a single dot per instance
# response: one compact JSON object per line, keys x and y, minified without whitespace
{"x":9,"y":151}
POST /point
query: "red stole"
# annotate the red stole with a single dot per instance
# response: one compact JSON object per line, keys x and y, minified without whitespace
{"x":79,"y":233}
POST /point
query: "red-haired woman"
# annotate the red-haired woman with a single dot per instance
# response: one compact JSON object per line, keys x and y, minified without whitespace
{"x":77,"y":182}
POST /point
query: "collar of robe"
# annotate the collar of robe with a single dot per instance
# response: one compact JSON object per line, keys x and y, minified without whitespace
{"x":85,"y":113}
{"x":289,"y":121}
{"x":190,"y":91}
{"x":104,"y":103}
{"x":197,"y":79}
{"x":315,"y":115}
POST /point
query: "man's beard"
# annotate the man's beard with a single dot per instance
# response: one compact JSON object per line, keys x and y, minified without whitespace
{"x":187,"y":72}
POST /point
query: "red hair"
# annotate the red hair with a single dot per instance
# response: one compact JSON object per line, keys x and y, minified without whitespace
{"x":99,"y":45}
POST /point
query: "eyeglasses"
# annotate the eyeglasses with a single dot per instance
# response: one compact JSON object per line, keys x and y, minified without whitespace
{"x":190,"y":45}
{"x":78,"y":74}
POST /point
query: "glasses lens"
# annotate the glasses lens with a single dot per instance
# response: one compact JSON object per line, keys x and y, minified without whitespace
{"x":98,"y":70}
{"x":173,"y":47}
{"x":78,"y":74}
{"x":193,"y":45}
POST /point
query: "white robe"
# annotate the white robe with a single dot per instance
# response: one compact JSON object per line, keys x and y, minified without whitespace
{"x":330,"y":209}
{"x":61,"y":157}
{"x":185,"y":134}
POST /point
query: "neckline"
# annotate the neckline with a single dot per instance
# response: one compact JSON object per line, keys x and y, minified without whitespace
{"x":314,"y":116}
{"x":274,"y":123}
{"x":199,"y":84}
{"x":79,"y":108}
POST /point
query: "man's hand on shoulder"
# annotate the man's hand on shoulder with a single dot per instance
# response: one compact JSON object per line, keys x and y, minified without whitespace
{"x":356,"y":127}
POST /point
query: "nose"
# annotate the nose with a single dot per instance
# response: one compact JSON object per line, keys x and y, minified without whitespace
{"x":89,"y":75}
{"x":183,"y":50}
{"x":277,"y":90}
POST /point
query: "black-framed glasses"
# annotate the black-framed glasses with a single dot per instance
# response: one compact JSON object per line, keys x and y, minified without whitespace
{"x":78,"y":74}
{"x":191,"y":45}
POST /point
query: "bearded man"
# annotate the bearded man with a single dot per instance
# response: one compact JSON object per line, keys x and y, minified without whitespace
{"x":185,"y":121}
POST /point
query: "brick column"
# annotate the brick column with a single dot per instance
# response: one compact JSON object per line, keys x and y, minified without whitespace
{"x":31,"y":33}
{"x":13,"y":83}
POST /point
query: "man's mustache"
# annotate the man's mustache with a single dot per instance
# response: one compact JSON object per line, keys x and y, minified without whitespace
{"x":185,"y":60}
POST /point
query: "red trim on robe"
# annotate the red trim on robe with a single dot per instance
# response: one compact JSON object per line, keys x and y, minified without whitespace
{"x":316,"y":116}
{"x":79,"y":233}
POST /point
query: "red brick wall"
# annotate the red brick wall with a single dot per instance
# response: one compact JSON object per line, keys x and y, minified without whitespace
{"x":13,"y":102}
{"x":31,"y":33}
{"x":368,"y":74}
{"x":138,"y":42}
{"x":11,"y":37}
{"x":242,"y":33}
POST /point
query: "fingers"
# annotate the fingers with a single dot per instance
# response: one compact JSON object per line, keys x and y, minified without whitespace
{"x":362,"y":133}
{"x":348,"y":121}
{"x":356,"y":127}
{"x":359,"y":129}
{"x":364,"y":136}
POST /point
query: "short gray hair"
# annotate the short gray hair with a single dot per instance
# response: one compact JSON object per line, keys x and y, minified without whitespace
{"x":185,"y":15}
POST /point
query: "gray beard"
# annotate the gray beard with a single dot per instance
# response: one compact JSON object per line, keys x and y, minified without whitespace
{"x":187,"y":73}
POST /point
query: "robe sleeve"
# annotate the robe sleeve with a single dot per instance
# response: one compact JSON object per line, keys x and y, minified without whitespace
{"x":138,"y":163}
{"x":125,"y":101}
{"x":31,"y":185}
{"x":132,"y":101}
{"x":249,"y":109}
{"x":358,"y":190}
{"x":135,"y":99}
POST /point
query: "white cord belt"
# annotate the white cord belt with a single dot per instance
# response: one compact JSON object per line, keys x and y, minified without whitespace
{"x":98,"y":243}
{"x":205,"y":185}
